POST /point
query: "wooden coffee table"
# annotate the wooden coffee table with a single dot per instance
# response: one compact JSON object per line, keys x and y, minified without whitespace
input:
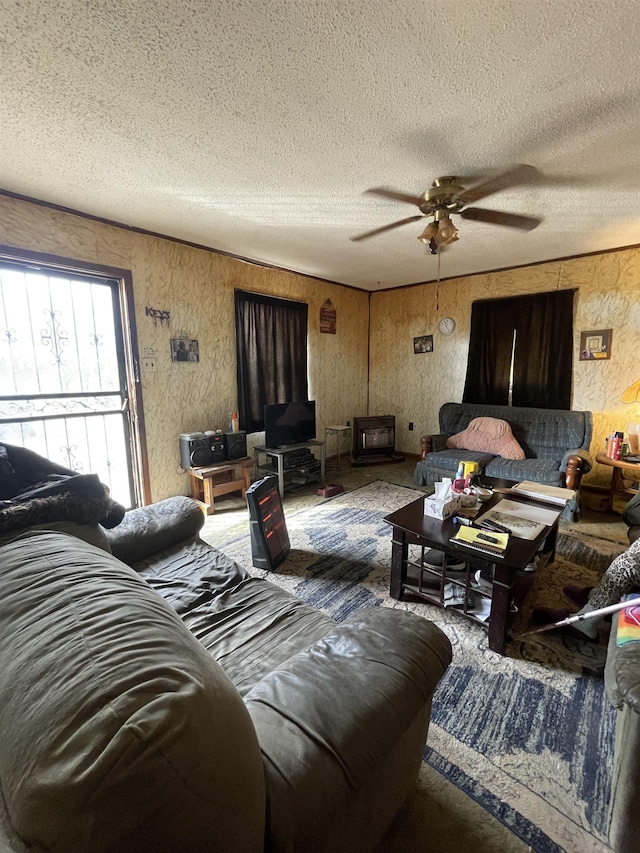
{"x":510,"y":582}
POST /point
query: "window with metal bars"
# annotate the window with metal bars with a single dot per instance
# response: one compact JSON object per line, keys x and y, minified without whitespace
{"x":63,"y":387}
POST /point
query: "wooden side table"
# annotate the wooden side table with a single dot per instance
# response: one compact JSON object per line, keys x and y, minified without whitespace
{"x":211,"y":481}
{"x":617,"y":481}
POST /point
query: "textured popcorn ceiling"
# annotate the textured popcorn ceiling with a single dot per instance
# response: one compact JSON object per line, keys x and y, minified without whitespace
{"x":254,"y":126}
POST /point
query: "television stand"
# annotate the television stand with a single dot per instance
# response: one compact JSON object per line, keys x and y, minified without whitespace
{"x":374,"y":441}
{"x":295,"y":463}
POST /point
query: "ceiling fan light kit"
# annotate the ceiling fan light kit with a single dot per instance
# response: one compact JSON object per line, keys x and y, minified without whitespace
{"x":447,"y":195}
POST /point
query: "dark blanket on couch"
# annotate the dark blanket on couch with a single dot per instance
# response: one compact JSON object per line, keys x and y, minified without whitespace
{"x":34,"y":490}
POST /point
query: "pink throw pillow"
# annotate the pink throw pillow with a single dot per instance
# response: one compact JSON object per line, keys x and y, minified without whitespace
{"x":489,"y":435}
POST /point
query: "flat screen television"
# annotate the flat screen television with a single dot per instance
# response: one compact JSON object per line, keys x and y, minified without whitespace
{"x":289,"y":423}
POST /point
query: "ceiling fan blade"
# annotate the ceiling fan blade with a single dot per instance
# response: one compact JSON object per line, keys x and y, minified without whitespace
{"x":498,"y":217}
{"x":396,"y":195}
{"x":384,"y":228}
{"x":517,"y":175}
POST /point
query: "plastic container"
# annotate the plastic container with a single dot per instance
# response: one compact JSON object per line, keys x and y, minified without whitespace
{"x":633,"y":437}
{"x":616,"y":445}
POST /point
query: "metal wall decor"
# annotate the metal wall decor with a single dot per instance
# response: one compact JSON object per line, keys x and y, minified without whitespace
{"x":158,"y":314}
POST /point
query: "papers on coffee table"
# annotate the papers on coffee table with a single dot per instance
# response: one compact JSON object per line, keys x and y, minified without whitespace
{"x":523,"y":520}
{"x":541,"y":492}
{"x":488,"y":542}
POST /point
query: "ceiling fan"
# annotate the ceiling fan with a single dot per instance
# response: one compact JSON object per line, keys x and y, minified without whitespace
{"x":448,"y":195}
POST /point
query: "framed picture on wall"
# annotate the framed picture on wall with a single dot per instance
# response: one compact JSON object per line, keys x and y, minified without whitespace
{"x":595,"y":345}
{"x":423,"y":344}
{"x":184,"y":349}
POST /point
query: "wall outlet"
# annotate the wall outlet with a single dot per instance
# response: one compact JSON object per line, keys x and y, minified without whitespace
{"x":149,"y":364}
{"x":410,"y":426}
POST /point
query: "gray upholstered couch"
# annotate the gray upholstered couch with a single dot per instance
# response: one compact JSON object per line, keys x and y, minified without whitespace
{"x":555,"y":442}
{"x":156,"y":697}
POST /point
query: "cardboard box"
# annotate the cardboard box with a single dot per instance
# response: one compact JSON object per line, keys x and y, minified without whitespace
{"x":436,"y":508}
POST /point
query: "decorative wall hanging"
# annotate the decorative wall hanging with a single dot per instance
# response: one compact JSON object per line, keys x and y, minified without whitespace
{"x":184,"y":349}
{"x":327,"y":318}
{"x":596,"y":344}
{"x":157,"y":314}
{"x":423,"y":344}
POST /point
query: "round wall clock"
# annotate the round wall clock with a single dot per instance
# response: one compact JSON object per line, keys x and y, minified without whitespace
{"x":447,"y":325}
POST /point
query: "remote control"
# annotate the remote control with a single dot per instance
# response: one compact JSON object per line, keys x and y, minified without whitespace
{"x":486,"y":538}
{"x":493,"y":525}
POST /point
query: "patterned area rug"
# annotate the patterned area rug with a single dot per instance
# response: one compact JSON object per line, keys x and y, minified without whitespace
{"x":529,"y":736}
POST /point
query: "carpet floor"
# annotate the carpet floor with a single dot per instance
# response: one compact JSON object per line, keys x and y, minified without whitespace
{"x":520,"y":746}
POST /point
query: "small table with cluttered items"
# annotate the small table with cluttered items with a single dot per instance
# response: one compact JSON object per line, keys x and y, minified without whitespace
{"x":617,"y":486}
{"x":491,"y":582}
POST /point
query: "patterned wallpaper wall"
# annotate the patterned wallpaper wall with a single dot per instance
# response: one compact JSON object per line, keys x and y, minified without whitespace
{"x":197,"y":287}
{"x":413,"y":387}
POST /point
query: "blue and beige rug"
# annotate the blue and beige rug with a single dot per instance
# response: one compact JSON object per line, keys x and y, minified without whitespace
{"x":529,"y":736}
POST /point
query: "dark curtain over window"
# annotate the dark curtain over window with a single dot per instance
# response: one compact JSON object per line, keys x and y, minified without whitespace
{"x":271,"y":346}
{"x":542,"y":360}
{"x":489,"y":360}
{"x":542,"y":365}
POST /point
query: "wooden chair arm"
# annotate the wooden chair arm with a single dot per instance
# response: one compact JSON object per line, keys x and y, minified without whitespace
{"x":573,"y":473}
{"x":425,"y":444}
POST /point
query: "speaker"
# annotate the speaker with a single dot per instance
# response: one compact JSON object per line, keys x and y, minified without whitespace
{"x":235,"y":445}
{"x":195,"y":450}
{"x":218,"y":449}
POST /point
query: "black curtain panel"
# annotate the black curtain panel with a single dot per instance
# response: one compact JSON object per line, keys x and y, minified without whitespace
{"x":490,"y":348}
{"x":271,"y":348}
{"x":542,"y":327}
{"x":543,"y":363}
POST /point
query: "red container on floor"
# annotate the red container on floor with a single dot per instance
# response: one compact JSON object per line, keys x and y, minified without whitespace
{"x":330,"y":490}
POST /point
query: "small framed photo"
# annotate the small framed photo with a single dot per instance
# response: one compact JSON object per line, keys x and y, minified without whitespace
{"x":595,"y":345}
{"x":423,"y":344}
{"x":183,"y":349}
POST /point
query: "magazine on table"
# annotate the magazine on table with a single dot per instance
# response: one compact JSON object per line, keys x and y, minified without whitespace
{"x":515,"y":518}
{"x":455,"y":595}
{"x":540,"y":492}
{"x":488,"y":542}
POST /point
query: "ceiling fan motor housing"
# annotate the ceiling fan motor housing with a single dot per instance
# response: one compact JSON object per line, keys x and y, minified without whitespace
{"x":442,"y":195}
